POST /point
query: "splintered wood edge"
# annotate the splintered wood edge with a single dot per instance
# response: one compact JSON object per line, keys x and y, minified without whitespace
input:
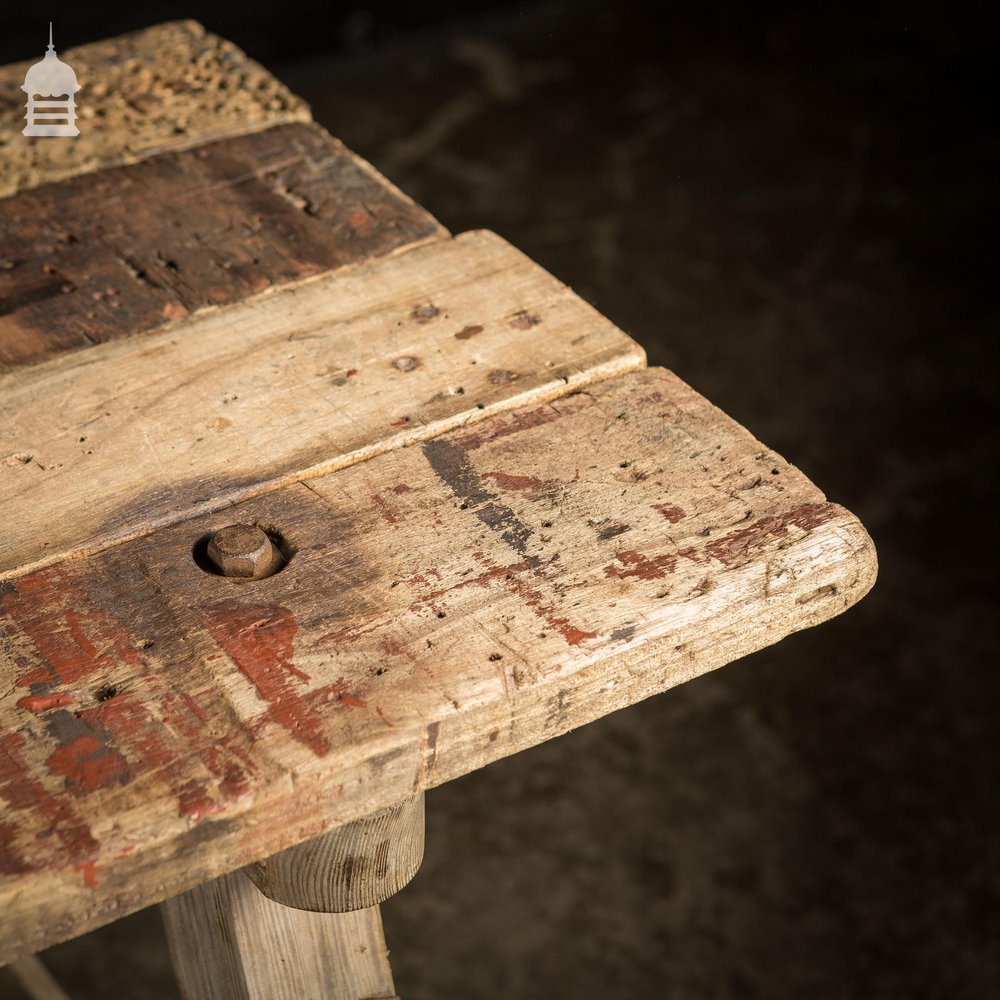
{"x":484,"y":335}
{"x":130,"y":106}
{"x":799,"y":562}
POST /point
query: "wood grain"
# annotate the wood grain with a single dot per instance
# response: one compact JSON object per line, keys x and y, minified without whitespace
{"x":230,"y":942}
{"x":113,"y":442}
{"x":167,"y":87}
{"x":134,"y":249}
{"x":358,"y":865}
{"x":446,"y":605}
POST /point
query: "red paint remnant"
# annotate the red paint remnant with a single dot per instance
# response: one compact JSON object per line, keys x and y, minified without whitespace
{"x":730,"y":547}
{"x":89,"y":869}
{"x":73,"y":637}
{"x":195,"y":802}
{"x":349,"y":699}
{"x":640,"y":566}
{"x":383,"y":508}
{"x":87,"y":763}
{"x":381,"y":715}
{"x":402,"y":422}
{"x":502,"y":426}
{"x":23,"y":792}
{"x":534,"y":599}
{"x":516,"y":482}
{"x":402,"y":488}
{"x":493,"y":735}
{"x":573,"y":636}
{"x":265,"y":659}
{"x":43,"y":702}
{"x":358,"y":219}
{"x":670,"y":511}
{"x":193,"y":705}
{"x":351,"y":372}
{"x":257,"y":624}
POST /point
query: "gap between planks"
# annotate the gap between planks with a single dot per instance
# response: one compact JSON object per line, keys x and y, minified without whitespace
{"x":109,"y":444}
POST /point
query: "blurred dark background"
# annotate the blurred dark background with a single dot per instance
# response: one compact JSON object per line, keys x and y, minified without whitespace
{"x":794,"y":208}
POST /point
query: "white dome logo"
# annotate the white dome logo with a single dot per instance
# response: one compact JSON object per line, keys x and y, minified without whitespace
{"x":51,"y":88}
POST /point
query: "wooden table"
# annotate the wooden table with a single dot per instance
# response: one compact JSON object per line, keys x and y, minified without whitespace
{"x":496,"y":524}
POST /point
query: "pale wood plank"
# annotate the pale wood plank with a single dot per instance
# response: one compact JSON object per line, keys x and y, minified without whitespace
{"x":447,"y":605}
{"x":109,"y":443}
{"x":230,"y":942}
{"x":167,"y":87}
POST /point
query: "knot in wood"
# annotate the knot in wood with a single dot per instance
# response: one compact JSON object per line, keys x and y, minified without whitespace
{"x":243,"y":551}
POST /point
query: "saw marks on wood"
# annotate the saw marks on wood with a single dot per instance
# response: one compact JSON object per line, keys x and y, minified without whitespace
{"x":167,"y":87}
{"x":447,"y":605}
{"x":112,"y":442}
{"x":133,"y":249}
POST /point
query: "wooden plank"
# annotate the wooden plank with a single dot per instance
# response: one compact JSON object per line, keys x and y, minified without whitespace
{"x":112,"y":442}
{"x":134,"y":249}
{"x":230,"y":942}
{"x":447,"y":605}
{"x":167,"y":87}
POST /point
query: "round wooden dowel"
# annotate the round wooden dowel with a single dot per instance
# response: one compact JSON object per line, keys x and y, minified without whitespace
{"x":351,"y":868}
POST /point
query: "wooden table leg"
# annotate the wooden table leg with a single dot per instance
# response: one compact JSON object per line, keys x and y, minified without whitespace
{"x":313,"y":930}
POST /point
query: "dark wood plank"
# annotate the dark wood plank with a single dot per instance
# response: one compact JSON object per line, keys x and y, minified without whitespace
{"x":446,"y":605}
{"x":131,"y":249}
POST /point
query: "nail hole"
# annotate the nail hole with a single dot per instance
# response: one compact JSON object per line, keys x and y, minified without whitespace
{"x":106,"y":693}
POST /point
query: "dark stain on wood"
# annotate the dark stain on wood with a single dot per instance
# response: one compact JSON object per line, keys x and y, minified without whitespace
{"x":523,"y":320}
{"x":129,"y":249}
{"x":467,"y":332}
{"x":451,"y":463}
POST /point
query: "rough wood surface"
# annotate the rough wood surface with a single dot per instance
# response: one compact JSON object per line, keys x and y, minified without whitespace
{"x":358,"y":865}
{"x":230,"y":942}
{"x":167,"y":87}
{"x":110,"y":443}
{"x":446,"y":605}
{"x":134,"y":249}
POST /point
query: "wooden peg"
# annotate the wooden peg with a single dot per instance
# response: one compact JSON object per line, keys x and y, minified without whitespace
{"x":353,"y":867}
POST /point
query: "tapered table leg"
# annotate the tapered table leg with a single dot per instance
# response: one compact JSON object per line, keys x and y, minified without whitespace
{"x":301,"y":924}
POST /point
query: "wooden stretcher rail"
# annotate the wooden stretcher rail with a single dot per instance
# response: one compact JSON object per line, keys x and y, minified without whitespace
{"x":447,"y":605}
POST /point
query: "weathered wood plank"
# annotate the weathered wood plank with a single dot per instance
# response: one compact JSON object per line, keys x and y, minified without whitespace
{"x":230,"y":942}
{"x":447,"y":605}
{"x":109,"y":443}
{"x":133,"y":249}
{"x":170,"y":86}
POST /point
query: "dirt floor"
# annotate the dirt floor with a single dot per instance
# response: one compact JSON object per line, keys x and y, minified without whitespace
{"x":794,"y":212}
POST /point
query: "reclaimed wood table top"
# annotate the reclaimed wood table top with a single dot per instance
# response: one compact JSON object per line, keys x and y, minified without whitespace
{"x":501,"y":526}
